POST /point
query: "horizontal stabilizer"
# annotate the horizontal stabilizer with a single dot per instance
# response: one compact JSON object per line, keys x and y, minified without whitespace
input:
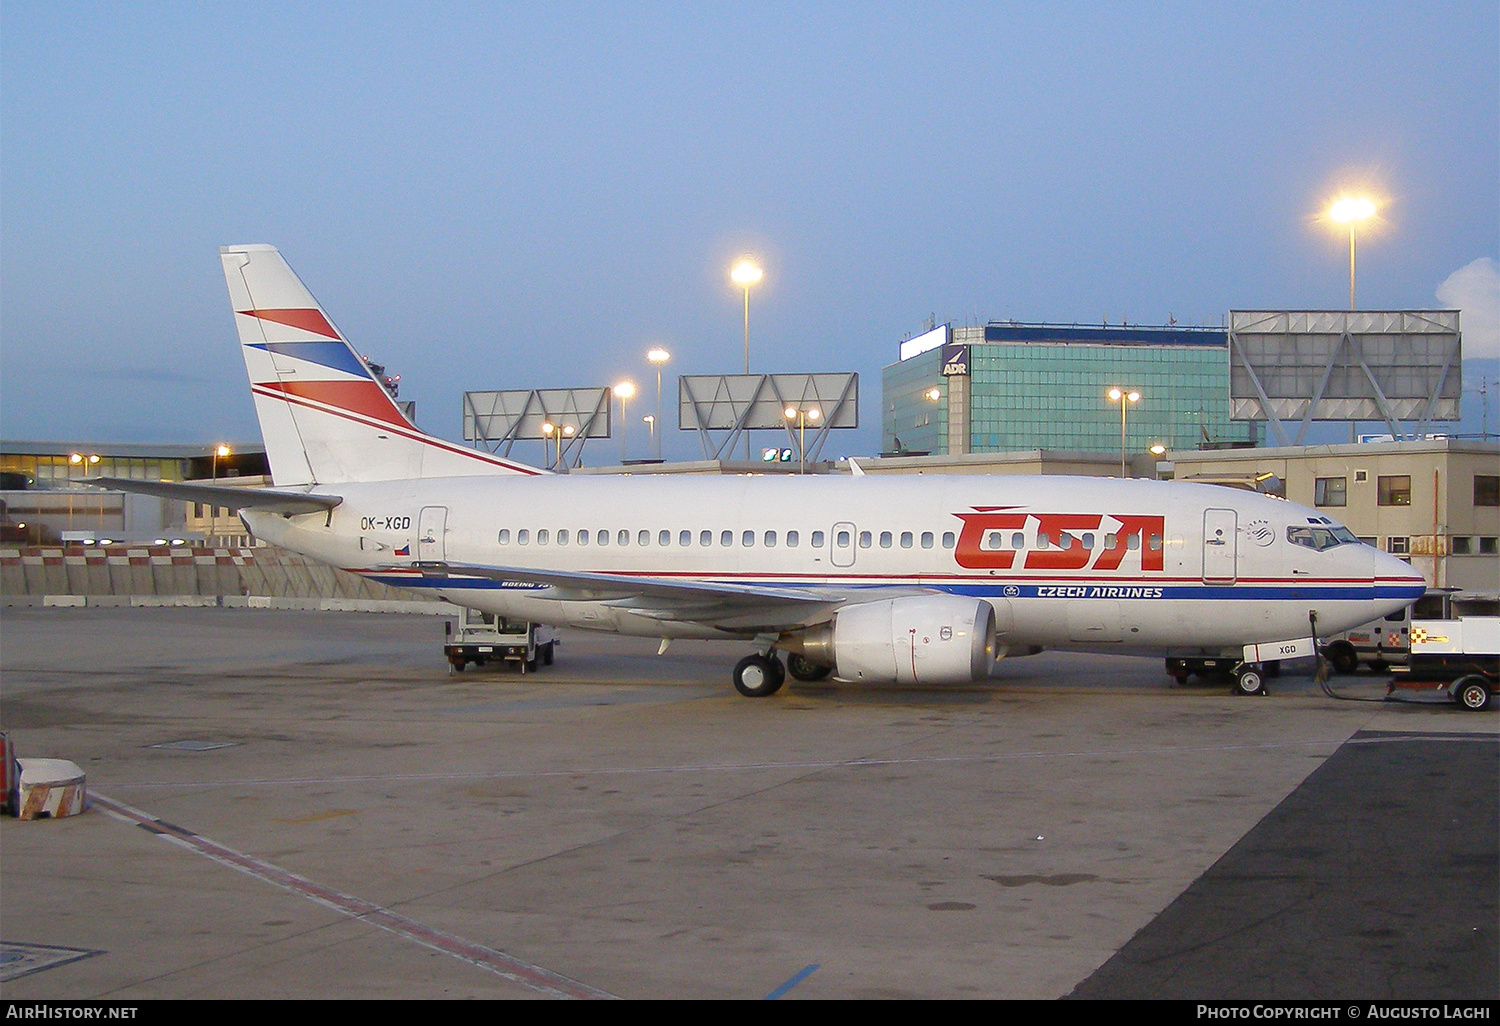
{"x":272,"y":500}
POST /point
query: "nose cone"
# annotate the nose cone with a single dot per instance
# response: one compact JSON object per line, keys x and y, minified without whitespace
{"x":1396,"y":582}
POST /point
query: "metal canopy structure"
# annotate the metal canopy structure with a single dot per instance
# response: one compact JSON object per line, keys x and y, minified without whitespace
{"x":1351,"y":365}
{"x":737,"y":403}
{"x":498,"y":419}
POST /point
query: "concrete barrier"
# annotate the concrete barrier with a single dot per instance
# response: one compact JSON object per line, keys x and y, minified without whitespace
{"x":158,"y":575}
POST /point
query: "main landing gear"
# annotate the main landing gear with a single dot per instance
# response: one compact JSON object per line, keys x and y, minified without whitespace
{"x":759,"y":676}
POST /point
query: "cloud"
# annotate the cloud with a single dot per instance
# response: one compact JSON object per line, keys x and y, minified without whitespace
{"x":1474,"y":289}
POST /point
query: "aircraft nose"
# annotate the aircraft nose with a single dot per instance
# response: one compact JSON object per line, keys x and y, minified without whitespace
{"x":1395,"y":578}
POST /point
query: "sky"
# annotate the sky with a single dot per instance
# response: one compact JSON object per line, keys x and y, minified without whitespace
{"x":519,"y":195}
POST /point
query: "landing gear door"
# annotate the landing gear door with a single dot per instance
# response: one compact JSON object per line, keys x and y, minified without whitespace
{"x":1220,"y":541}
{"x":841,"y":545}
{"x":432,"y":525}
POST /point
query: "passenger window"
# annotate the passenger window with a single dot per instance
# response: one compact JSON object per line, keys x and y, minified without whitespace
{"x":906,"y":539}
{"x":1133,"y":542}
{"x":562,"y":537}
{"x":643,"y":538}
{"x":792,"y":538}
{"x":770,"y":539}
{"x":664,"y":538}
{"x":705,"y":537}
{"x":541,"y":537}
{"x":1088,"y":541}
{"x":993,"y":540}
{"x":926,"y":539}
{"x":523,"y":537}
{"x":864,"y":539}
{"x":684,"y":538}
{"x":817,"y":539}
{"x":747,"y":538}
{"x":842,"y":539}
{"x":583,"y":538}
{"x":1155,"y":543}
{"x":1043,"y":542}
{"x":623,"y":537}
{"x":726,"y":538}
{"x":885,"y":539}
{"x":505,"y":537}
{"x":602,"y":537}
{"x":948,"y":539}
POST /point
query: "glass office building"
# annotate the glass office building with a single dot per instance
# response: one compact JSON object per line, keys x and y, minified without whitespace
{"x":1007,"y":387}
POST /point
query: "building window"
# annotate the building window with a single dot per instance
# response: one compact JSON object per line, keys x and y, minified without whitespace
{"x":1398,"y":546}
{"x":1331,"y":491}
{"x":1489,"y":546}
{"x":1394,"y":491}
{"x":1459,"y":545}
{"x":1486,"y":490}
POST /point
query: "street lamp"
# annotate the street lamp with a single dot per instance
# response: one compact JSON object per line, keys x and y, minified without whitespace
{"x":568,"y":431}
{"x":1124,"y":399}
{"x":1351,"y":210}
{"x":82,"y":461}
{"x":802,"y":417}
{"x":624,"y":392}
{"x":744,"y":274}
{"x":658,"y":356}
{"x":548,"y":428}
{"x":651,"y":426}
{"x":219,"y":450}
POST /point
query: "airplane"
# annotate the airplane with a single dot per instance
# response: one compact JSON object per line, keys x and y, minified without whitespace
{"x":926,"y":579}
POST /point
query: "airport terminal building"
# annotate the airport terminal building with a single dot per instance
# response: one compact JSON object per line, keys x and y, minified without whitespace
{"x":1008,"y":387}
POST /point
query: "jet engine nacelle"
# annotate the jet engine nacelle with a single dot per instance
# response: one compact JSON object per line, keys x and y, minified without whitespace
{"x":921,"y":639}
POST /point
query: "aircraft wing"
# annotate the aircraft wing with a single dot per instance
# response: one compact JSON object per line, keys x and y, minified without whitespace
{"x":273,"y":500}
{"x":729,"y":607}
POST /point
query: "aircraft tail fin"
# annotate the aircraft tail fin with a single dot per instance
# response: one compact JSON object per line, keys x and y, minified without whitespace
{"x":323,"y":415}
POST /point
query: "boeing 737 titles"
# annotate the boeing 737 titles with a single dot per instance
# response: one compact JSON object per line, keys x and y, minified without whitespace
{"x":915,"y":579}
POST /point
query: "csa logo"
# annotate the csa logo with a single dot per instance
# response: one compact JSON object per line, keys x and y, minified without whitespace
{"x":1140,"y":536}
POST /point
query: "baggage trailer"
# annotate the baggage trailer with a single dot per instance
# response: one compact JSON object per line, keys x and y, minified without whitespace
{"x":1460,"y":657}
{"x":481,"y":638}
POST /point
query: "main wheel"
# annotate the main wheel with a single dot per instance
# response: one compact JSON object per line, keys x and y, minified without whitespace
{"x":803,"y":668}
{"x":1249,"y":682}
{"x":758,"y":676}
{"x":1472,"y":693}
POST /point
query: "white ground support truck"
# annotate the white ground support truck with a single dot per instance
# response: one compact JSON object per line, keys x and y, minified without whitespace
{"x":1461,"y":657}
{"x":1384,"y":643}
{"x":481,"y":638}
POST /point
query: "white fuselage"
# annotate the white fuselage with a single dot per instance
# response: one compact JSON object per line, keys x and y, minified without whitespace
{"x":1066,"y":562}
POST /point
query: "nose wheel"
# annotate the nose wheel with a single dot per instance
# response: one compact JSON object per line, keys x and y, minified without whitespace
{"x":1249,"y":680}
{"x":758,"y":676}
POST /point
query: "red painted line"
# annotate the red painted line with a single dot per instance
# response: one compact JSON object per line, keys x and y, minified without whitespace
{"x":270,"y":392}
{"x":498,"y":962}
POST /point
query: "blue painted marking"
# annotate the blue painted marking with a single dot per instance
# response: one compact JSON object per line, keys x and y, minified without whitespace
{"x":334,"y":355}
{"x":789,"y":984}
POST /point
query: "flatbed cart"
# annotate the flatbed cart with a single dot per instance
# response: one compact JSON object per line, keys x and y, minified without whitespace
{"x":1460,"y":657}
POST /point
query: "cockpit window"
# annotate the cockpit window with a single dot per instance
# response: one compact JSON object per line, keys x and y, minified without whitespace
{"x":1320,"y":538}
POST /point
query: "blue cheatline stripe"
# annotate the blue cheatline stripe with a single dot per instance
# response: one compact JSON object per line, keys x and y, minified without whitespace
{"x":1147,"y":592}
{"x":789,"y":984}
{"x":334,"y":355}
